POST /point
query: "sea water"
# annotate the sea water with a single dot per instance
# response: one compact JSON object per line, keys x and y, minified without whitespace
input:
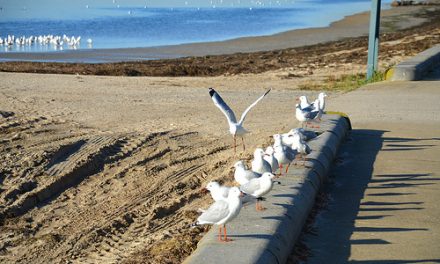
{"x":122,"y":24}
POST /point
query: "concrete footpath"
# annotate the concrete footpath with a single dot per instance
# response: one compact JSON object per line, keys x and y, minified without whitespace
{"x":385,"y":194}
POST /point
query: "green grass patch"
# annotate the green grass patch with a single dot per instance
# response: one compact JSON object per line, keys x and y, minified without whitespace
{"x":346,"y":82}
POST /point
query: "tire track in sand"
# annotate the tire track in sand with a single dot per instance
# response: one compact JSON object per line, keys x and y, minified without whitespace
{"x":131,"y":190}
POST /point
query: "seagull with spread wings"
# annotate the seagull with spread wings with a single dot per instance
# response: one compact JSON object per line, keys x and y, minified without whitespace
{"x":235,"y":128}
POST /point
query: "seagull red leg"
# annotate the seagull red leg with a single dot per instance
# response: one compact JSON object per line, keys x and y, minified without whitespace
{"x":287,"y":168}
{"x":226,"y":239}
{"x":258,"y":206}
{"x":219,"y":233}
{"x":280,"y":166}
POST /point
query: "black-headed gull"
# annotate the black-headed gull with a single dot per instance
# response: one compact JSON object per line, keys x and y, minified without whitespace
{"x":242,"y":175}
{"x":221,"y":212}
{"x":258,"y":187}
{"x":259,"y":164}
{"x":235,"y":128}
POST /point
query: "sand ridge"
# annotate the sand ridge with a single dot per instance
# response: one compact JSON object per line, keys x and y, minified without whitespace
{"x":71,"y":193}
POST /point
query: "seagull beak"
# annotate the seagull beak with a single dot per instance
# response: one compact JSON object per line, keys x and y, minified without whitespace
{"x":204,"y":191}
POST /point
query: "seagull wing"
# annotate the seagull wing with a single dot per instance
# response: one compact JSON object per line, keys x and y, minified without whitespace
{"x":224,"y":191}
{"x":226,"y":110}
{"x":251,"y":187}
{"x":290,"y":153}
{"x":216,"y":212}
{"x":243,"y":116}
{"x":311,"y":114}
{"x":308,"y":108}
{"x":251,"y":175}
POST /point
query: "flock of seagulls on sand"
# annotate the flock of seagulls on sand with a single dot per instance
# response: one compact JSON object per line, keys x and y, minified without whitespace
{"x":266,"y":165}
{"x":44,"y":40}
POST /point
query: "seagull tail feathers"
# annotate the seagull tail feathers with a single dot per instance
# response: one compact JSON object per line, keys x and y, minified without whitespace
{"x":194,"y":225}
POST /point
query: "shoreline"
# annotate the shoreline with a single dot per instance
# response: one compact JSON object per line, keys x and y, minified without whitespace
{"x":421,"y":31}
{"x":355,"y":25}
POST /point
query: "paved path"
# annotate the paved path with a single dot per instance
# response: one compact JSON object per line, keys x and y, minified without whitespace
{"x":385,"y":196}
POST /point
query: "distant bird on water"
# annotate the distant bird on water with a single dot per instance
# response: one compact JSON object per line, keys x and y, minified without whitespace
{"x":235,"y":128}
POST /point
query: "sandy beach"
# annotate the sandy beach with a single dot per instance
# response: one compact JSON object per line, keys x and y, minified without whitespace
{"x":108,"y":169}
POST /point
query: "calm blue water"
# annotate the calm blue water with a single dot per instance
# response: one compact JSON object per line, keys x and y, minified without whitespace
{"x":110,"y":26}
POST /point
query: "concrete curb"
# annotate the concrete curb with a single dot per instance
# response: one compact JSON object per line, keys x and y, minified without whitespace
{"x":269,"y":236}
{"x":416,"y":67}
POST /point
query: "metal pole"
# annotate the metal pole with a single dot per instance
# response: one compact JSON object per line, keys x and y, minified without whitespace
{"x":373,"y":39}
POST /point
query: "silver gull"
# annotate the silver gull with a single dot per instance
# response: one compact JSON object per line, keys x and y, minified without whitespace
{"x":235,"y":128}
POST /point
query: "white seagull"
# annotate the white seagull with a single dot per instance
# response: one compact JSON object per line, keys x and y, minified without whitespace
{"x":321,"y":98}
{"x":259,"y":187}
{"x":235,"y":128}
{"x":300,"y":145}
{"x":259,"y":164}
{"x":287,"y":138}
{"x":283,"y":154}
{"x":269,"y":157}
{"x":303,"y":102}
{"x":307,"y":114}
{"x":221,"y":212}
{"x":305,"y":135}
{"x":217,"y":191}
{"x":242,"y":175}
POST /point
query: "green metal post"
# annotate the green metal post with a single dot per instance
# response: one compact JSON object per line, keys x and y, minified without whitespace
{"x":373,"y":40}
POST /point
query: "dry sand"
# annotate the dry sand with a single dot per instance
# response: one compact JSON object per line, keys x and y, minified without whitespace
{"x":98,"y":169}
{"x":134,"y":152}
